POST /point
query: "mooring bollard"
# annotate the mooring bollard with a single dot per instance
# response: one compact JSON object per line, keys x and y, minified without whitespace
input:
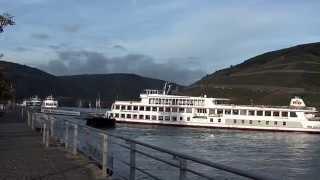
{"x":132,"y":161}
{"x":104,"y":154}
{"x":66,"y":136}
{"x":75,"y":137}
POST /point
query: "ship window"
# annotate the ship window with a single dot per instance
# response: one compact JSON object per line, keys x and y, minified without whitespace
{"x":111,"y":115}
{"x":154,"y":117}
{"x":276,"y":113}
{"x":174,"y":118}
{"x":284,"y":123}
{"x":284,"y":114}
{"x":188,"y":110}
{"x":267,"y":113}
{"x":129,"y":107}
{"x":129,"y":116}
{"x":148,"y":108}
{"x":174,"y":109}
{"x":148,"y":117}
{"x":167,"y":118}
{"x":275,"y":123}
{"x":220,"y":111}
{"x":259,"y":113}
{"x":235,"y":112}
{"x":160,"y":109}
{"x":141,"y":108}
{"x":116,"y":115}
{"x":259,"y":121}
{"x":135,"y":116}
{"x":123,"y":115}
{"x":123,"y":107}
{"x":140,"y":116}
{"x":168,"y":109}
{"x":219,"y":120}
{"x":188,"y":118}
{"x":117,"y":107}
{"x":267,"y":122}
{"x":242,"y":121}
{"x":251,"y":113}
{"x":234,"y":121}
{"x":250,"y":121}
{"x":227,"y":111}
{"x":243,"y":112}
{"x":211,"y":119}
{"x":212,"y":111}
{"x":181,"y":110}
{"x":135,"y":108}
{"x":160,"y":118}
{"x":293,"y":114}
{"x":181,"y":118}
{"x":154,"y":108}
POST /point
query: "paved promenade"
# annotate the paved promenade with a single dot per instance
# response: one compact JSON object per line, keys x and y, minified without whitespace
{"x":22,"y":155}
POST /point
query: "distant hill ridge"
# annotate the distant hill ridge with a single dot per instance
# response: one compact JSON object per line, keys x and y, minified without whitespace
{"x":272,"y":77}
{"x":30,"y":81}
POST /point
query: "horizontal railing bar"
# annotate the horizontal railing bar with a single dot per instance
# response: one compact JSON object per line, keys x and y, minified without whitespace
{"x":184,"y":156}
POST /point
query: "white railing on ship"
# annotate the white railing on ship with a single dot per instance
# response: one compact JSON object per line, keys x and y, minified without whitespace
{"x":67,"y":132}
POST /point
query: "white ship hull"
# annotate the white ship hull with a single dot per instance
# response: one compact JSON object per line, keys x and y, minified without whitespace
{"x":222,"y":126}
{"x":162,"y":109}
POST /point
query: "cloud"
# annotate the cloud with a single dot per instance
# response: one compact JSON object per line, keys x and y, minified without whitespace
{"x":40,"y":36}
{"x":22,"y":49}
{"x":119,"y":47}
{"x":90,"y":62}
{"x":72,"y":28}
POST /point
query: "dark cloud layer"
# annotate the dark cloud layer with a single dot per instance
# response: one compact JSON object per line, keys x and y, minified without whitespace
{"x":72,"y":28}
{"x":119,"y":47}
{"x":89,"y":62}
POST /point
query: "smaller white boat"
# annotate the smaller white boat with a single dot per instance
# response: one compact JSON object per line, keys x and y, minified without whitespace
{"x":33,"y":102}
{"x":49,"y":103}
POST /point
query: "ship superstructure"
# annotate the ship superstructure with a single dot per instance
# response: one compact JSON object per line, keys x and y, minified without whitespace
{"x":158,"y":107}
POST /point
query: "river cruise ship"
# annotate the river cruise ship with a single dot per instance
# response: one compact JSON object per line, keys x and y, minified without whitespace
{"x":158,"y":107}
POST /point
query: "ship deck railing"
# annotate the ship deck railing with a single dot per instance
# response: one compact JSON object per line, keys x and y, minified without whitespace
{"x":126,"y":158}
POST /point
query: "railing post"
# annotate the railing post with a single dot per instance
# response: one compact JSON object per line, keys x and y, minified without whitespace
{"x":104,"y":155}
{"x":32,"y":120}
{"x":75,"y":137}
{"x":51,"y":119}
{"x":44,"y":133}
{"x":132,"y":161}
{"x":47,"y":136}
{"x":183,"y":167}
{"x":66,"y":136}
{"x":28,"y":118}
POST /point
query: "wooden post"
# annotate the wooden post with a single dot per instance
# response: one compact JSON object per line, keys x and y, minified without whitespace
{"x":104,"y":155}
{"x":132,"y":161}
{"x":183,"y":166}
{"x":75,"y":137}
{"x":66,"y":135}
{"x":28,"y":118}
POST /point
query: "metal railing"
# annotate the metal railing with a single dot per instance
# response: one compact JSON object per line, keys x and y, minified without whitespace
{"x":126,"y":158}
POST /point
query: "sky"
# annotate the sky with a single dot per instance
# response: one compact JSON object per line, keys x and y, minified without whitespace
{"x":173,"y":40}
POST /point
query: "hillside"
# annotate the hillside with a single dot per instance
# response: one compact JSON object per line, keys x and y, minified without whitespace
{"x":270,"y":78}
{"x":29,"y":81}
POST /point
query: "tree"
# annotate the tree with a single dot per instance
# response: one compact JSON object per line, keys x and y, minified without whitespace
{"x":5,"y":90}
{"x":6,"y":20}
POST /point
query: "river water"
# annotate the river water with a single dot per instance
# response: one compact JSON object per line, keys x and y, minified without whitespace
{"x":283,"y":155}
